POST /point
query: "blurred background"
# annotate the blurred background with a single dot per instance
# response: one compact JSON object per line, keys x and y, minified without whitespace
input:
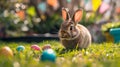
{"x":22,"y":18}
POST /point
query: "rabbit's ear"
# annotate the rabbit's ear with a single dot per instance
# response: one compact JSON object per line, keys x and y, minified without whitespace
{"x":77,"y":15}
{"x":65,"y":14}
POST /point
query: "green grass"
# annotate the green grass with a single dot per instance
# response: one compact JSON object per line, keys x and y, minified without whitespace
{"x":97,"y":55}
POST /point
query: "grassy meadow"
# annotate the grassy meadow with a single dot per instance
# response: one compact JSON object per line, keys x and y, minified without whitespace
{"x":96,"y":55}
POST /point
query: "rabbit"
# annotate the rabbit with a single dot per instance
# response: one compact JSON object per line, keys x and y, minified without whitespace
{"x":71,"y":34}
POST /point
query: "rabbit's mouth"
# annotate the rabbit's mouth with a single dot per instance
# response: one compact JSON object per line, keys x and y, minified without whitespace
{"x":69,"y":38}
{"x":69,"y":35}
{"x":65,"y":35}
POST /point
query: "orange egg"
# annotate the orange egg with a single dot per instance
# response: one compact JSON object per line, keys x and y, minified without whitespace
{"x":6,"y":52}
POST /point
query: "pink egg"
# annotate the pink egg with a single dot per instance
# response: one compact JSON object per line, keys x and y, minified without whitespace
{"x":35,"y":47}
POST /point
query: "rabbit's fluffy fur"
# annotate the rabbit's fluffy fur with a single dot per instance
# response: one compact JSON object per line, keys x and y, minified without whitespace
{"x":73,"y":35}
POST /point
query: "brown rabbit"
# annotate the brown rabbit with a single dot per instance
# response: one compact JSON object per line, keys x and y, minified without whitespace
{"x":73,"y":35}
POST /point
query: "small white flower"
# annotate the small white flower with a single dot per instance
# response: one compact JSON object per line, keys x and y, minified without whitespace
{"x":16,"y":64}
{"x":24,"y":28}
{"x":5,"y":13}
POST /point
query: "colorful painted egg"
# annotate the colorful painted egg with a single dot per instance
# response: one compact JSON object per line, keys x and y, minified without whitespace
{"x":20,"y":48}
{"x":35,"y":47}
{"x":48,"y":46}
{"x":48,"y":55}
{"x":6,"y":52}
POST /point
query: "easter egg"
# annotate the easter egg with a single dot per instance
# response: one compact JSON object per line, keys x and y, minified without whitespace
{"x":6,"y":52}
{"x":48,"y":46}
{"x":35,"y":47}
{"x":20,"y":48}
{"x":48,"y":55}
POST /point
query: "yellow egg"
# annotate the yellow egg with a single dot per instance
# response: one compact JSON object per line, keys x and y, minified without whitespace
{"x":6,"y":52}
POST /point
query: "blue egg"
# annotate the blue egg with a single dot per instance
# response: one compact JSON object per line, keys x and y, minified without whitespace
{"x":20,"y":48}
{"x":48,"y":55}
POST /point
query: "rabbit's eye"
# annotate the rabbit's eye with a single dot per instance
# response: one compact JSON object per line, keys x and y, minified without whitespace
{"x":71,"y":27}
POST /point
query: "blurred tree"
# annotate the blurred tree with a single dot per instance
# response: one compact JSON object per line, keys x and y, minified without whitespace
{"x":29,"y":17}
